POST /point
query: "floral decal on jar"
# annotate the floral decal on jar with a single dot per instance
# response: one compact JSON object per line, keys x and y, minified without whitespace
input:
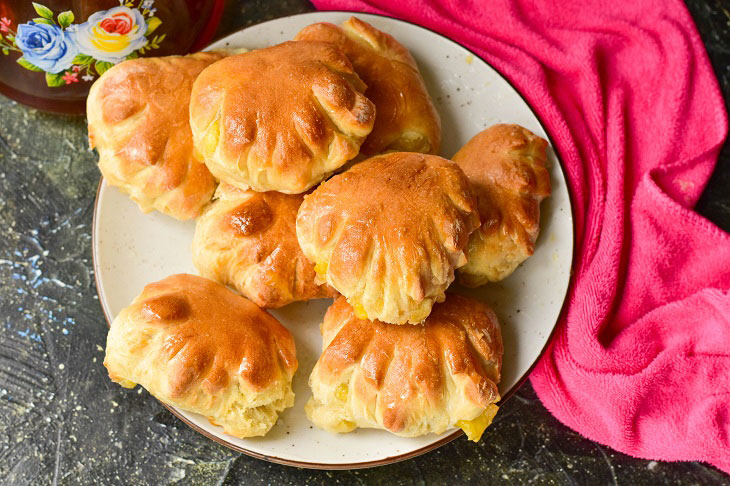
{"x":69,"y":52}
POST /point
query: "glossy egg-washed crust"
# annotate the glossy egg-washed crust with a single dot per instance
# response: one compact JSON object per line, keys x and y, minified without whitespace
{"x":409,"y":380}
{"x":280,"y":118}
{"x":389,"y":232}
{"x":248,"y":240}
{"x":139,"y":123}
{"x":406,"y":119}
{"x":194,"y":344}
{"x":505,"y":165}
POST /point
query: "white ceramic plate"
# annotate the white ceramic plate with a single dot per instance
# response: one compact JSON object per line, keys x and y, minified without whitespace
{"x":132,"y":249}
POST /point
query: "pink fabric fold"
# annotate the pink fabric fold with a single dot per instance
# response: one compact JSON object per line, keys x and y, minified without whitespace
{"x":641,"y":357}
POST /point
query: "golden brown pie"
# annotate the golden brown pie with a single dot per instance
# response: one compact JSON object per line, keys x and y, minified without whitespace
{"x":194,"y":344}
{"x":389,"y":232}
{"x":505,"y":165}
{"x":280,"y":118}
{"x":408,"y":380}
{"x":139,"y":123}
{"x":248,"y":240}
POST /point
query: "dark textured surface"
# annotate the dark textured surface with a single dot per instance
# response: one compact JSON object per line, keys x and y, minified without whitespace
{"x":713,"y":21}
{"x":62,"y":421}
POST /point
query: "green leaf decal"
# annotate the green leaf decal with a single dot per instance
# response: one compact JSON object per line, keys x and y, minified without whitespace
{"x":65,"y":18}
{"x":133,"y":55}
{"x":55,"y":80}
{"x":82,"y":59}
{"x":6,"y":51}
{"x":102,"y":67}
{"x":41,"y":20}
{"x":43,"y":11}
{"x":27,"y":65}
{"x":152,"y":24}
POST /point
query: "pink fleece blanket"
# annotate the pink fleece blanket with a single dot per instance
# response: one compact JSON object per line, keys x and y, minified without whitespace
{"x":641,"y":357}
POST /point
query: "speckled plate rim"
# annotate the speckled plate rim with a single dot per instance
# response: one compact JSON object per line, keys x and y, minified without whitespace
{"x":434,"y":445}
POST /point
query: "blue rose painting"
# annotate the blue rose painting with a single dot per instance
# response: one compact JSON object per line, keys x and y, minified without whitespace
{"x":46,"y":46}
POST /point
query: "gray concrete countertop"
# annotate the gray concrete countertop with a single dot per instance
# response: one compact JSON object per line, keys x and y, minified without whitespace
{"x":63,"y":422}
